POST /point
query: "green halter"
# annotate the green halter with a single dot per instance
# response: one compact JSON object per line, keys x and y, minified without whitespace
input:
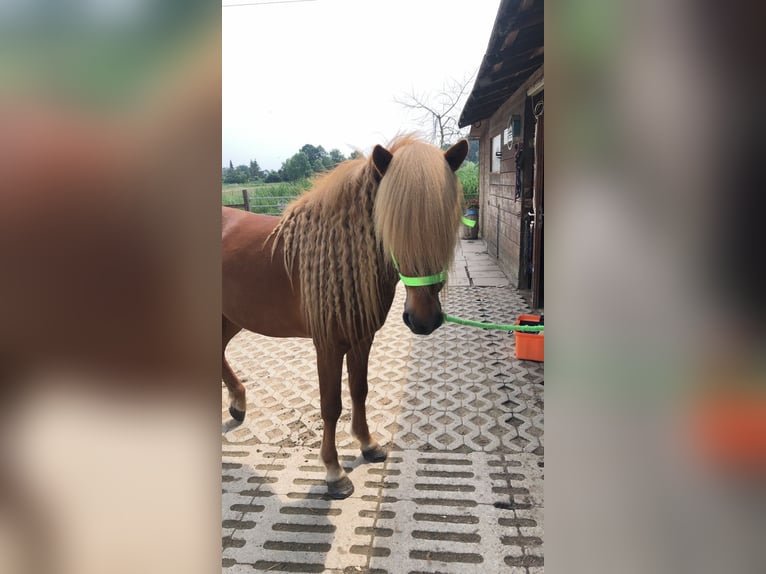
{"x":419,"y":281}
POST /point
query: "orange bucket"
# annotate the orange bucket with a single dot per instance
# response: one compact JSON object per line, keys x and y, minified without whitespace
{"x":530,"y":346}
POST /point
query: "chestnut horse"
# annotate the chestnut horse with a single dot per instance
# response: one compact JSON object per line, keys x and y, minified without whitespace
{"x":324,"y":270}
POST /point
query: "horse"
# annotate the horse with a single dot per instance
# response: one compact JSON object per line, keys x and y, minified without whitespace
{"x":328,"y":268}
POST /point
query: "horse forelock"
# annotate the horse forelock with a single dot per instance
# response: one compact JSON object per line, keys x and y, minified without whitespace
{"x":417,"y":208}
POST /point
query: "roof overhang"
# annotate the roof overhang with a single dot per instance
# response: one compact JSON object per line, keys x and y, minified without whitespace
{"x":514,"y":52}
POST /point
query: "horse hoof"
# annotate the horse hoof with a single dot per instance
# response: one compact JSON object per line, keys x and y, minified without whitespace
{"x":237,"y":414}
{"x":340,"y":489}
{"x":375,"y":454}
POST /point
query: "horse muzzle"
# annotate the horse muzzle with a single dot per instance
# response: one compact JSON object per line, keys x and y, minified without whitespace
{"x":420,"y":327}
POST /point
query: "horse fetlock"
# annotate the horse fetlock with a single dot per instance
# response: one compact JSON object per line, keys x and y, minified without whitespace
{"x":371,"y":450}
{"x":334,"y":472}
{"x":366,"y":442}
{"x":364,"y":437}
{"x":238,"y":401}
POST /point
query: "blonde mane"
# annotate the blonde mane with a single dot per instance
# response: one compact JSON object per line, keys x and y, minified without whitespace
{"x":341,"y":232}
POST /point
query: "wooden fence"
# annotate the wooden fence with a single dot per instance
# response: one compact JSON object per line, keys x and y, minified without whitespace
{"x":275,"y":205}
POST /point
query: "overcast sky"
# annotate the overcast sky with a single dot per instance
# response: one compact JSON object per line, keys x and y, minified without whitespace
{"x":325,"y":72}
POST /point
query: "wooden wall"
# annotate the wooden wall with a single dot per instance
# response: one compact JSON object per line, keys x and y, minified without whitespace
{"x":500,"y":216}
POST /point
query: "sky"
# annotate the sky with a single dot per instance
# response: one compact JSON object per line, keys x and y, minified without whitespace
{"x":326,"y":72}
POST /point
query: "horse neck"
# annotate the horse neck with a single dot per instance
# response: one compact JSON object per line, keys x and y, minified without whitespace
{"x":387,"y":280}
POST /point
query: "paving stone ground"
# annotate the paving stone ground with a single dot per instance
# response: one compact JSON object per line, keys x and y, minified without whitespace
{"x":462,"y":489}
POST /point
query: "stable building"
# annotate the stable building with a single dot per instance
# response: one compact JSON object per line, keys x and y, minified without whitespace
{"x":505,"y":110}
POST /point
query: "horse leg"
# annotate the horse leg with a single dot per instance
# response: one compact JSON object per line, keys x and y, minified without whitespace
{"x":329,"y":367}
{"x":357,"y":359}
{"x":237,"y":400}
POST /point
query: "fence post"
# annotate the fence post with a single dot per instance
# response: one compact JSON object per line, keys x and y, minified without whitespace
{"x":246,"y":197}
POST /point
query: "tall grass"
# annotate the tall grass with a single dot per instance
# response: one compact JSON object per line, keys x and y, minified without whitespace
{"x":269,"y":198}
{"x":468,"y":174}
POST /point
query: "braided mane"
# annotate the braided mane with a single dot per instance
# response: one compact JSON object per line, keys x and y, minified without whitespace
{"x":340,"y":233}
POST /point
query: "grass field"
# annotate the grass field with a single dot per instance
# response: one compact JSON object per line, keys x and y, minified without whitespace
{"x":270,"y":198}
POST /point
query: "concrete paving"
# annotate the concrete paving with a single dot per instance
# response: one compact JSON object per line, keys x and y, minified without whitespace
{"x":474,"y":267}
{"x":462,"y":489}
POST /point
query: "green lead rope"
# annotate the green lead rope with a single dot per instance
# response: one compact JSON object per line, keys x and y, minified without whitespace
{"x":441,"y":278}
{"x":496,"y":326}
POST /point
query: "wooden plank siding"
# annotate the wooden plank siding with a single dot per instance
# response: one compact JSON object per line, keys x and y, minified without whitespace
{"x":500,"y":215}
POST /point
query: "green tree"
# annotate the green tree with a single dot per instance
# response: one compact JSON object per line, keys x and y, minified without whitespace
{"x":328,"y":163}
{"x":297,"y":167}
{"x":235,"y":175}
{"x":318,"y":166}
{"x":255,"y":170}
{"x":336,"y":156}
{"x":473,"y":151}
{"x":314,"y":153}
{"x":243,"y":173}
{"x":356,"y":154}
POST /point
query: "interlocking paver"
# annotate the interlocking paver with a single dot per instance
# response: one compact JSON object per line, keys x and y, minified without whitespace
{"x":462,"y":417}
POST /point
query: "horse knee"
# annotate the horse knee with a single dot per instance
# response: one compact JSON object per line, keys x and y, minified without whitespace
{"x":331,"y":413}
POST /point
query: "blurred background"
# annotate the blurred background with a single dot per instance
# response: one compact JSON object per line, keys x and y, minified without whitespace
{"x":656,"y":406}
{"x":109,"y":289}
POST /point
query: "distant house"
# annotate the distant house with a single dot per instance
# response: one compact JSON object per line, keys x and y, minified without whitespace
{"x":505,"y":112}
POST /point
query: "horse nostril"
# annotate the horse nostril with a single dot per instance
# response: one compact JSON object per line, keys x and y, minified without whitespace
{"x":422,"y":328}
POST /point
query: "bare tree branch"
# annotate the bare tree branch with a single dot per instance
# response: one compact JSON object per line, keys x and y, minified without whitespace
{"x":437,"y":110}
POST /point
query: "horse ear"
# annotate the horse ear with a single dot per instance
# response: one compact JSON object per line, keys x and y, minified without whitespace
{"x":381,"y":158}
{"x":456,"y":154}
